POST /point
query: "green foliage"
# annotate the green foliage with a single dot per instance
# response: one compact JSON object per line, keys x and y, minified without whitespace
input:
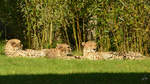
{"x":124,"y":26}
{"x":43,"y":19}
{"x":1,"y":47}
{"x":39,"y":20}
{"x":119,"y":25}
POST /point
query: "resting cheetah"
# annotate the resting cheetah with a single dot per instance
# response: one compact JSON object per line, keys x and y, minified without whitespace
{"x":13,"y":48}
{"x":89,"y":51}
{"x":61,"y":51}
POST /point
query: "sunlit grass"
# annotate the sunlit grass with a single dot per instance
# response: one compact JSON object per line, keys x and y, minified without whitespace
{"x":13,"y":66}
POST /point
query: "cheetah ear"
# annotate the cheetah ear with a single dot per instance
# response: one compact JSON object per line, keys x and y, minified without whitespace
{"x":58,"y":46}
{"x":13,"y":44}
{"x":6,"y":40}
{"x":83,"y":43}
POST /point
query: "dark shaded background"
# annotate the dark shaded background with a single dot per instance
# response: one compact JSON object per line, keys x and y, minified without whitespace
{"x":79,"y":78}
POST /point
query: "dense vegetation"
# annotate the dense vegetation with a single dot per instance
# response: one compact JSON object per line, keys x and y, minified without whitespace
{"x":116,"y":25}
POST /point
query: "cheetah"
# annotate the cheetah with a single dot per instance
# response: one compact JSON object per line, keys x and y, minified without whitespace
{"x":89,"y":52}
{"x":13,"y":48}
{"x":61,"y":51}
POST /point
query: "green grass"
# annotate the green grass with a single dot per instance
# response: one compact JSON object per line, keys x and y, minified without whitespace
{"x":13,"y":66}
{"x":58,"y":71}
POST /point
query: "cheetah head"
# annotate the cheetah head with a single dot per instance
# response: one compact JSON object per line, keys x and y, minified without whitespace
{"x":14,"y":44}
{"x":89,"y":46}
{"x":64,"y":48}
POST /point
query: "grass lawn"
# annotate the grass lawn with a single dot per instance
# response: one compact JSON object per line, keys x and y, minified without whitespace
{"x":59,"y":71}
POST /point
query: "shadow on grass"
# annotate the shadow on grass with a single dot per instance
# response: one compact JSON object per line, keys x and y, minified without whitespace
{"x":79,"y":78}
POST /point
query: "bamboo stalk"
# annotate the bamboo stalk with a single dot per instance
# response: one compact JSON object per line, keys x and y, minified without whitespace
{"x":75,"y":37}
{"x":65,"y":28}
{"x":79,"y":34}
{"x":51,"y":33}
